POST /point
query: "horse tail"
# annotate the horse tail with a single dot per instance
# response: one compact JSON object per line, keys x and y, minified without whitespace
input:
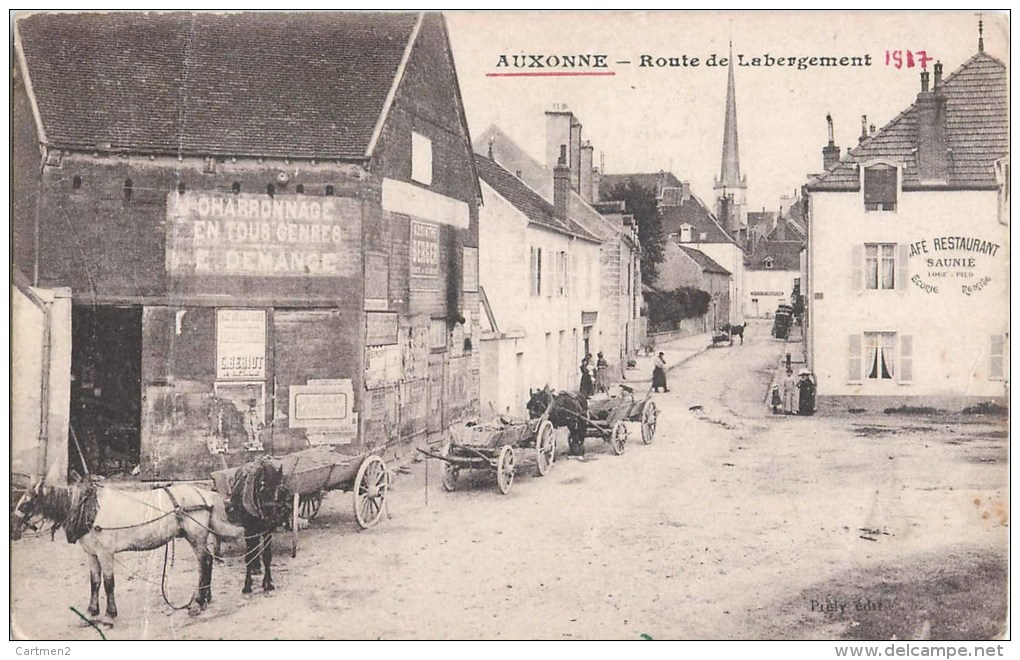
{"x":219,"y":524}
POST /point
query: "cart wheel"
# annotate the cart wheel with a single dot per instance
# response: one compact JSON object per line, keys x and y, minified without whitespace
{"x":649,"y":417}
{"x":450,"y":471}
{"x":618,"y":440}
{"x":309,"y":504}
{"x":294,"y":515}
{"x":545,"y":448}
{"x":370,"y":487}
{"x":505,"y":469}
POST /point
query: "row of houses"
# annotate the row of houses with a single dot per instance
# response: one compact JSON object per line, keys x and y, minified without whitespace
{"x":213,"y":259}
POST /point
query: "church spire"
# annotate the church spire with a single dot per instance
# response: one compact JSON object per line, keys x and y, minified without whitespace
{"x":729,"y":171}
{"x":731,"y":187}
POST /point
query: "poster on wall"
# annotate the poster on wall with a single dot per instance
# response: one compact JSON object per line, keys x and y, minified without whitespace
{"x":424,"y":254}
{"x":240,"y":344}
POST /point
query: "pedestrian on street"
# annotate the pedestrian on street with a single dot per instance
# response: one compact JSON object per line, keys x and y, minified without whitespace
{"x":789,"y":393}
{"x":601,"y":374}
{"x":587,"y":376}
{"x":659,"y":374}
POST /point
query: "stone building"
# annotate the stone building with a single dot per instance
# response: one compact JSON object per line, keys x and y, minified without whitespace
{"x":269,"y":230}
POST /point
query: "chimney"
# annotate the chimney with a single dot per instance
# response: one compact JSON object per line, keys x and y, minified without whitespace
{"x":596,"y":184}
{"x":685,"y":187}
{"x":575,"y":154}
{"x":557,"y":132}
{"x":864,"y":129}
{"x":587,"y":156}
{"x":561,"y":185}
{"x":932,"y":141}
{"x":830,"y":152}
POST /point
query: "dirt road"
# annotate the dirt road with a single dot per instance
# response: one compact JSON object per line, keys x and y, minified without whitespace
{"x":733,"y":524}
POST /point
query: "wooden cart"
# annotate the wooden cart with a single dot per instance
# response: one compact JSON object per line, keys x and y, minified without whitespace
{"x":607,"y":416}
{"x":309,"y":473}
{"x":495,"y":447}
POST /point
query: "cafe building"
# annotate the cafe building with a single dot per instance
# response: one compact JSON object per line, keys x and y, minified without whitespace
{"x":908,"y":252}
{"x":268,"y":229}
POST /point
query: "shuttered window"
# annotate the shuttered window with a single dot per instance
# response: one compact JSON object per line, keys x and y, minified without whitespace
{"x":880,"y":188}
{"x":536,"y":271}
{"x":853,"y":372}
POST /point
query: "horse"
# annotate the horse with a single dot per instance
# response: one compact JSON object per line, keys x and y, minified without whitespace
{"x":257,"y":501}
{"x":105,"y":521}
{"x":735,"y":330}
{"x":568,"y":409}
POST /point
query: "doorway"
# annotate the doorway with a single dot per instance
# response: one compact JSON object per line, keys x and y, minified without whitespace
{"x":106,"y":390}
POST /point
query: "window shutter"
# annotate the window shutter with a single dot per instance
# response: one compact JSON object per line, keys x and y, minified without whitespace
{"x":906,"y":358}
{"x":901,"y":267}
{"x":534,"y":273}
{"x":538,"y":271}
{"x":853,"y":371}
{"x":998,"y":346}
{"x":551,"y":280}
{"x":857,"y":267}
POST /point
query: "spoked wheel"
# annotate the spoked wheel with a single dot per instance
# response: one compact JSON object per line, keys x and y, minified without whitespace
{"x":618,"y":439}
{"x":370,"y":488}
{"x":649,"y":417}
{"x":505,"y":469}
{"x":545,"y":448}
{"x":450,"y":471}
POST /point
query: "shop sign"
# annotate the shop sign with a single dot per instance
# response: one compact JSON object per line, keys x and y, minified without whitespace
{"x":424,"y":249}
{"x":952,"y":263}
{"x":240,"y":344}
{"x":238,"y":234}
{"x":323,"y":404}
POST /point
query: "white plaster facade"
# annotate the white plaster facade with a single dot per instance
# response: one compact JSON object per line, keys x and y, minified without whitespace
{"x":539,"y":338}
{"x":764,"y":290}
{"x":944,"y":339}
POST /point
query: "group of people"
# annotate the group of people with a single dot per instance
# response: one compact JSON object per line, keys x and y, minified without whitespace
{"x":593,"y":375}
{"x":794,"y":395}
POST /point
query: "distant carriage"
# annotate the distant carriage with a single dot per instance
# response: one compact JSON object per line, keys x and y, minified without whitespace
{"x":782,"y":322}
{"x":602,"y":415}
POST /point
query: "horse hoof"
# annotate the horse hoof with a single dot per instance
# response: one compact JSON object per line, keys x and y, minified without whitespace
{"x":246,"y":590}
{"x":93,"y":612}
{"x":268,"y":587}
{"x":111,"y":614}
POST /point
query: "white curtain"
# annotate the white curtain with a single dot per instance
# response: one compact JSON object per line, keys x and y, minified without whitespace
{"x":887,"y":362}
{"x":872,"y":362}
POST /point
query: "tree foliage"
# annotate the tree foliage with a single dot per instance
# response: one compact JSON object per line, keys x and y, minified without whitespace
{"x":641,"y":203}
{"x":667,"y":308}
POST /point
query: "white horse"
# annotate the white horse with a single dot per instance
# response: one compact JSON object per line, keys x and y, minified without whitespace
{"x":105,"y":521}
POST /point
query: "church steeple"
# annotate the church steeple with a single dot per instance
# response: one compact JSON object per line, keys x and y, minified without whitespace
{"x":730,"y":187}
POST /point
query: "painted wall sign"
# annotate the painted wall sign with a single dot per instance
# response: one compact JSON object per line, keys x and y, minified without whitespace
{"x":240,"y":344}
{"x":323,"y":405}
{"x":380,"y":328}
{"x":424,"y":249}
{"x":218,"y":233}
{"x":952,"y":263}
{"x":767,"y":293}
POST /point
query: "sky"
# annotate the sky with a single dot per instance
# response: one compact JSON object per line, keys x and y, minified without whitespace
{"x":646,"y":119}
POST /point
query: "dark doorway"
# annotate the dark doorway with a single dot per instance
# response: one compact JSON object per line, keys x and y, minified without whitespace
{"x":106,"y":391}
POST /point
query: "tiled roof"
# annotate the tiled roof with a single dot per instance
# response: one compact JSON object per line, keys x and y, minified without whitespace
{"x":707,"y":263}
{"x":527,"y":201}
{"x":692,"y":211}
{"x":785,"y":255}
{"x":977,"y":119}
{"x":303,"y":85}
{"x":655,"y":181}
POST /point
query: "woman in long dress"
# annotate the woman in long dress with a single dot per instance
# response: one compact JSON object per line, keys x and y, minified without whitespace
{"x":587,"y":382}
{"x":659,"y":373}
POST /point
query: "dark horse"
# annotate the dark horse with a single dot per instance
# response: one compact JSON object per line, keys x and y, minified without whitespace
{"x":569,"y":409}
{"x":257,"y":501}
{"x":105,"y":521}
{"x":735,"y":330}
